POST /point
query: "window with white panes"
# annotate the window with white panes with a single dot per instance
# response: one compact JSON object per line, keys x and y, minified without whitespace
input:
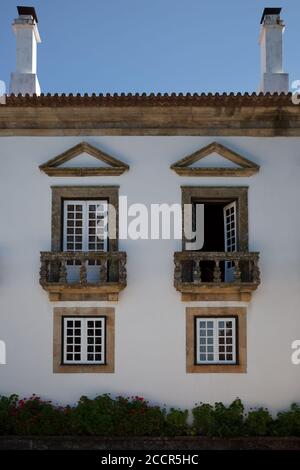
{"x":230,"y":227}
{"x":85,"y":225}
{"x":216,"y":340}
{"x":83,"y":340}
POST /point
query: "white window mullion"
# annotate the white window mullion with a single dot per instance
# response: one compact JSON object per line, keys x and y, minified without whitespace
{"x":230,"y":232}
{"x":198,"y":337}
{"x":72,"y":348}
{"x":97,"y":237}
{"x":102,"y":215}
{"x":234,"y":350}
{"x":84,"y":341}
{"x":216,"y":341}
{"x":230,"y":227}
{"x":73,"y":225}
{"x":85,"y":225}
{"x":103,"y":348}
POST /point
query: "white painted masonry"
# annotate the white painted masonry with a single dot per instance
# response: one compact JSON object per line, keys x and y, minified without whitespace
{"x":24,"y":79}
{"x":150,"y":317}
{"x":273,"y":78}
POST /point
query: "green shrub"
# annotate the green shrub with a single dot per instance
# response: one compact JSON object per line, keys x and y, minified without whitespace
{"x":176,"y":422}
{"x":145,"y":419}
{"x":7,"y":406}
{"x":219,"y":420}
{"x":288,"y":422}
{"x":135,"y":417}
{"x":93,"y":417}
{"x":33,"y":416}
{"x":203,"y":419}
{"x":120,"y":417}
{"x":105,"y":416}
{"x":258,"y":422}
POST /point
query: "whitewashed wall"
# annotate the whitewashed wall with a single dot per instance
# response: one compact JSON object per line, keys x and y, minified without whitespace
{"x":150,"y":317}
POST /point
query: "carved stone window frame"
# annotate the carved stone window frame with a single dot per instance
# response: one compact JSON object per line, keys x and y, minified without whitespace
{"x":58,"y":314}
{"x":61,"y":193}
{"x":241,"y":314}
{"x":226,"y":194}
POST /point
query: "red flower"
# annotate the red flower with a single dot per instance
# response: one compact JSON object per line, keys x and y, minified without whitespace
{"x":139,"y":398}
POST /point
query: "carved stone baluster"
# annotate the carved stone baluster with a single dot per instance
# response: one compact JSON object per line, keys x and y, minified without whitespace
{"x":255,"y":271}
{"x":44,"y":271}
{"x":54,"y":270}
{"x":122,"y":270}
{"x":178,"y":271}
{"x":237,"y":271}
{"x":217,"y":272}
{"x":63,"y":272}
{"x":103,"y":269}
{"x":197,"y":272}
{"x":83,"y":270}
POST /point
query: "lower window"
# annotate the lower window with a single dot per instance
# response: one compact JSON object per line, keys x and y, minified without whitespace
{"x":216,"y":339}
{"x":83,"y":339}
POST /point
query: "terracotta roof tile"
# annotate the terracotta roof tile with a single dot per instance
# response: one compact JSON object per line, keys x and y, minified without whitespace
{"x":159,"y":99}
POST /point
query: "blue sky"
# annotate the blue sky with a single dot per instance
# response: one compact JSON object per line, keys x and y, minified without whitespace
{"x":149,"y":45}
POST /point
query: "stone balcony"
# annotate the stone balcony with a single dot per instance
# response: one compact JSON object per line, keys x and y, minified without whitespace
{"x":83,"y":275}
{"x":216,"y":275}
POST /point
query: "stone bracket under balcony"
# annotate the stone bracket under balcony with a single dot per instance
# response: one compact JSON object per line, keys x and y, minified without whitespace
{"x":83,"y":275}
{"x":204,"y":276}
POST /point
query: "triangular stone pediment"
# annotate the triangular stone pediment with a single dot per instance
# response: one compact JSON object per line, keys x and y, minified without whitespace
{"x":82,"y":156}
{"x":84,"y":160}
{"x":234,"y":163}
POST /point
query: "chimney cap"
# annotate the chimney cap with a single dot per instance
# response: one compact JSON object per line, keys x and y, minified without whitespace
{"x":27,"y":11}
{"x":270,"y":11}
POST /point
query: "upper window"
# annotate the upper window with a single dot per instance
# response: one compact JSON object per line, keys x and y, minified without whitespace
{"x":85,"y":225}
{"x":84,"y":262}
{"x":81,"y":215}
{"x":83,"y":340}
{"x":225,"y":216}
{"x":225,"y":231}
{"x":215,"y":340}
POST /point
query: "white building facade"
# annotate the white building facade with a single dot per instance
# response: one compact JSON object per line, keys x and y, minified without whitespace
{"x":81,"y":315}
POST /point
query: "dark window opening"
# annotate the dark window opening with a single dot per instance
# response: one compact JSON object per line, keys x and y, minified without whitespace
{"x":213,"y":227}
{"x":214,"y":238}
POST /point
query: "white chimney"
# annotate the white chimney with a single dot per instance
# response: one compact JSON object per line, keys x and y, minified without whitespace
{"x":273,"y":79}
{"x":24,"y":79}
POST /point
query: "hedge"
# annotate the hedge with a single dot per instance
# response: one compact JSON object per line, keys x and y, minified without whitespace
{"x":134,"y":416}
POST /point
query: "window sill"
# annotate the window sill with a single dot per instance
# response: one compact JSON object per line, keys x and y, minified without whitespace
{"x":217,"y":368}
{"x":83,"y":368}
{"x":76,"y":292}
{"x":210,"y":292}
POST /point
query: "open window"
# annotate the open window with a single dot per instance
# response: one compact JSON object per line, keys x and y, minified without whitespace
{"x":220,"y":233}
{"x":223,"y":269}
